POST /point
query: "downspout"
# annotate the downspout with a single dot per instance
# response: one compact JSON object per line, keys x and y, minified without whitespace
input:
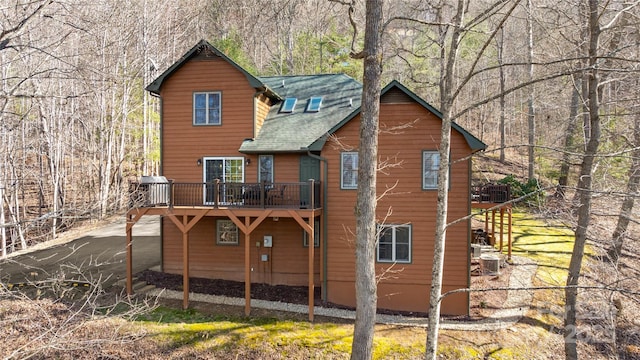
{"x":161,"y":172}
{"x":324,"y":223}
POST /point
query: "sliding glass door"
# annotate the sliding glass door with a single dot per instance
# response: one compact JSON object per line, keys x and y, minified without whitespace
{"x":226,"y":170}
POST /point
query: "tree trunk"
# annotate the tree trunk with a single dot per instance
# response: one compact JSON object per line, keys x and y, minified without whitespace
{"x":584,"y":186}
{"x":446,"y":105}
{"x":366,"y":232}
{"x":3,"y":231}
{"x":531,"y":115}
{"x":502,"y":95}
{"x":633,"y":184}
{"x":565,"y":166}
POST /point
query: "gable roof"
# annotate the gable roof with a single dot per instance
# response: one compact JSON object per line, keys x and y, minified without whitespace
{"x":474,"y":143}
{"x":296,"y":131}
{"x":301,"y":130}
{"x":201,"y":46}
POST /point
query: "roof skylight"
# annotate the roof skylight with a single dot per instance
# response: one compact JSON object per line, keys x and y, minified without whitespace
{"x":288,"y":105}
{"x":314,"y":104}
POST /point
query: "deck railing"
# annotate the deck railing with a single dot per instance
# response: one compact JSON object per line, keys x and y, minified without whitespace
{"x":491,"y":193}
{"x":300,"y":195}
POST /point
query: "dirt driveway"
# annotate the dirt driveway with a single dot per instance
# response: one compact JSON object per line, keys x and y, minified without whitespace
{"x":97,"y":254}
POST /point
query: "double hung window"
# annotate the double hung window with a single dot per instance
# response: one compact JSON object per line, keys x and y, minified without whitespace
{"x":207,"y":108}
{"x":430,"y":165}
{"x":226,"y":232}
{"x":394,"y":243}
{"x":349,"y":170}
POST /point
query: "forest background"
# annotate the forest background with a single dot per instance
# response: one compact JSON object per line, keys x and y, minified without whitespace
{"x":531,"y":80}
{"x":76,"y":124}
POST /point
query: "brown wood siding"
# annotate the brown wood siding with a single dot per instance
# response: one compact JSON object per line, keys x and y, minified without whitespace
{"x":183,"y":143}
{"x":408,"y":203}
{"x":395,"y":96}
{"x":286,"y":167}
{"x":287,"y":261}
{"x":263,"y":104}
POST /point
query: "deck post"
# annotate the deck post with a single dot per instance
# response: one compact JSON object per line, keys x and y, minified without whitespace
{"x":171,"y":190}
{"x":509,"y":238}
{"x":247,"y":268}
{"x":185,"y":265}
{"x":493,"y":226}
{"x":129,"y":257}
{"x":486,"y":222}
{"x":501,"y":228}
{"x":216,"y":193}
{"x":311,"y":243}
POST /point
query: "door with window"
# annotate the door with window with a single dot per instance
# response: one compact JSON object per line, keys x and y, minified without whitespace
{"x":309,"y":169}
{"x":228,"y":171}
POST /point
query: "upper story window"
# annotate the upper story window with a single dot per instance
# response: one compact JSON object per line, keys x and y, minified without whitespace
{"x":394,"y":243}
{"x":207,"y":108}
{"x":430,"y":165}
{"x":265,"y":164}
{"x":349,"y":170}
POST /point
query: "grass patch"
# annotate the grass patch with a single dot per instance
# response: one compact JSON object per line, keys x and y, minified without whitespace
{"x":550,"y":246}
{"x":216,"y":335}
{"x":174,"y":329}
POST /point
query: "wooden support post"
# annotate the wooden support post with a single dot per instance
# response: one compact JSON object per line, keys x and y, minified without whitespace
{"x":131,"y":220}
{"x":311,"y":243}
{"x":501,"y":228}
{"x":486,"y":222}
{"x":509,"y":236}
{"x":321,"y":247}
{"x":247,"y":268}
{"x":185,"y":265}
{"x":493,"y":226}
{"x":129,"y":257}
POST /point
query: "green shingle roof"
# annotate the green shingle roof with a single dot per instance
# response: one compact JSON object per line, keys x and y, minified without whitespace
{"x":299,"y":130}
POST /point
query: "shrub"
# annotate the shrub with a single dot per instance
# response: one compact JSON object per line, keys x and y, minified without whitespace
{"x":519,"y":189}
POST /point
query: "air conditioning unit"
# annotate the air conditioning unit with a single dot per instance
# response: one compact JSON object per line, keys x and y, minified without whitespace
{"x":490,"y":264}
{"x":476,"y":250}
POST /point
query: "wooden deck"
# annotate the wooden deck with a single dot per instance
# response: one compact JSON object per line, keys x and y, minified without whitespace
{"x":301,"y":195}
{"x":246,"y":204}
{"x":495,"y":199}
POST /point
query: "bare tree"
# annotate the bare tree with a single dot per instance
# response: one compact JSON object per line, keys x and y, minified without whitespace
{"x":633,"y":185}
{"x":602,"y":19}
{"x":366,"y":200}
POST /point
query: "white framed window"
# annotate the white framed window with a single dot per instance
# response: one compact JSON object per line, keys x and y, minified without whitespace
{"x":394,"y":243}
{"x":227,"y":170}
{"x":226,"y":232}
{"x":430,"y":165}
{"x":265,"y":168}
{"x":349,"y":170}
{"x":207,"y":108}
{"x":316,"y":235}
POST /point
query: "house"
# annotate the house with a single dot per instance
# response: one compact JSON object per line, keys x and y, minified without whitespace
{"x":262,"y":184}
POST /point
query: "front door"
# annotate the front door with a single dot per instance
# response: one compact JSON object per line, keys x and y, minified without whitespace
{"x":309,"y":169}
{"x":227,"y":171}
